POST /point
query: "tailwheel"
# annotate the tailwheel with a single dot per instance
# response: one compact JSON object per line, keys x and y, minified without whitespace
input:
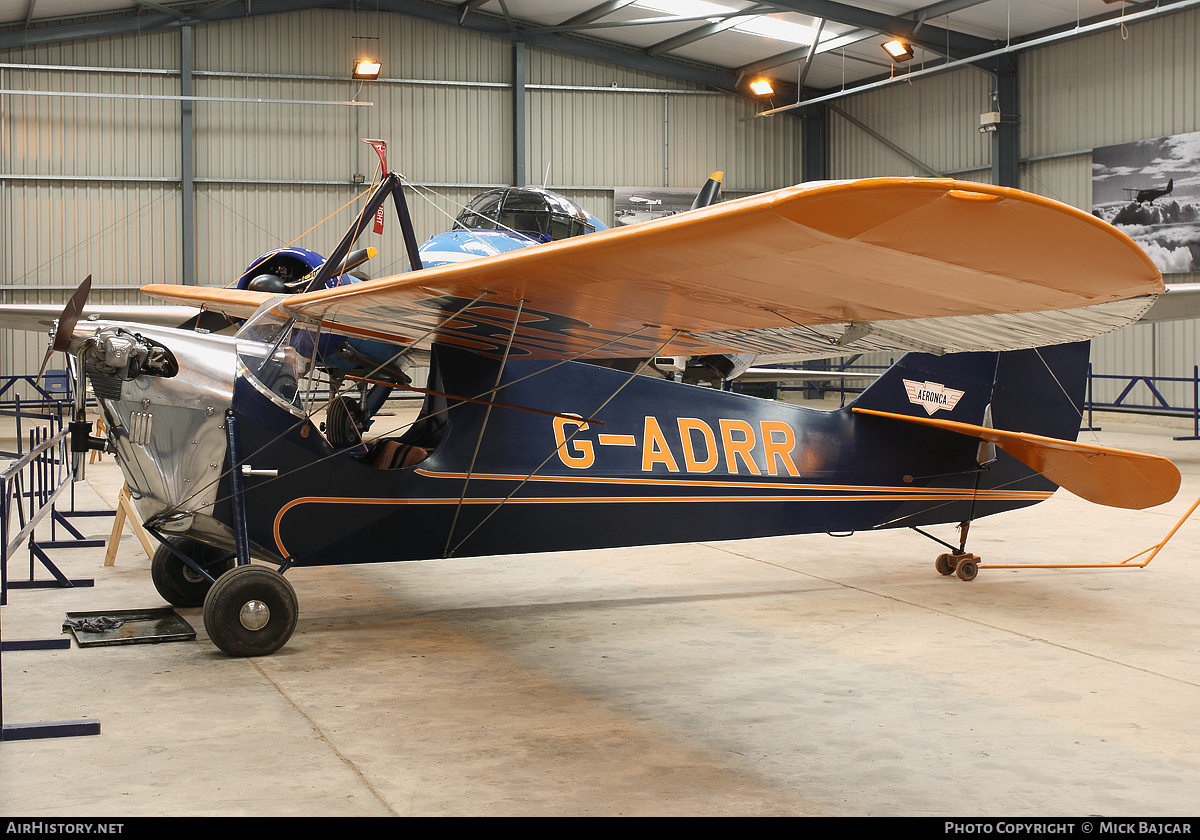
{"x":250,"y":611}
{"x":968,"y":567}
{"x":944,"y":564}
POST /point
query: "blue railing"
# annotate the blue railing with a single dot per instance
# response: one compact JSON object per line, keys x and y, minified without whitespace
{"x":55,"y":385}
{"x":29,"y":487}
{"x":1156,"y":386}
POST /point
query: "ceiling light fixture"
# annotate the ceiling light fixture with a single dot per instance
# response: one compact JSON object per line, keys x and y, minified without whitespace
{"x":762,"y":87}
{"x":898,"y":50}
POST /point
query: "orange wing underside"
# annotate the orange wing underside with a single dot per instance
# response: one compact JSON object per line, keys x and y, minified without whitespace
{"x":1112,"y":477}
{"x":798,"y":265}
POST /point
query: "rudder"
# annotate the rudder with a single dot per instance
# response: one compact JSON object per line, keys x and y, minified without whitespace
{"x":1038,"y":391}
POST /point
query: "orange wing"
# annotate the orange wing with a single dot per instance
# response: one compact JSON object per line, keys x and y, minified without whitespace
{"x":818,"y":269}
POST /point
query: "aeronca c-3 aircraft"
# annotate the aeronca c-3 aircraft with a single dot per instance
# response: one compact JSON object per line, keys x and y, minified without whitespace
{"x":537,"y":432}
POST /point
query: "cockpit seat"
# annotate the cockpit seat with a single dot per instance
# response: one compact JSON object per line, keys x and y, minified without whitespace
{"x":394,"y":455}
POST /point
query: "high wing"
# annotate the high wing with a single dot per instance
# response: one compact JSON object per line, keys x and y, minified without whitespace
{"x":819,"y":269}
{"x":1099,"y":474}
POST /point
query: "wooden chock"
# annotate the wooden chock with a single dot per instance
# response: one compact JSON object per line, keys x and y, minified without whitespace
{"x":126,"y":510}
{"x":96,"y":453}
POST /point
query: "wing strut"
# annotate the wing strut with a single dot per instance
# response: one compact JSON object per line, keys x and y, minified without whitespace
{"x":483,"y":427}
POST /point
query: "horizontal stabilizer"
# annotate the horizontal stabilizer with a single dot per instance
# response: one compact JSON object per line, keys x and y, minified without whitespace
{"x":1112,"y":477}
{"x":1180,"y":303}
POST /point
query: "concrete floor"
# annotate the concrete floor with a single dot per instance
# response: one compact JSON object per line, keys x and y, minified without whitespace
{"x":801,"y":676}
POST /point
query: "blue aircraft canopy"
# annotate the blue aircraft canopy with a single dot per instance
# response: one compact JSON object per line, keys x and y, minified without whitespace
{"x":539,"y":213}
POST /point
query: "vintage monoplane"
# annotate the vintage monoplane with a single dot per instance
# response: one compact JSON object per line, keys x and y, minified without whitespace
{"x":537,"y":431}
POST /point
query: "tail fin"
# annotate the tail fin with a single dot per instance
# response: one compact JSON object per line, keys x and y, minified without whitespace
{"x":1038,"y":391}
{"x":1031,"y":411}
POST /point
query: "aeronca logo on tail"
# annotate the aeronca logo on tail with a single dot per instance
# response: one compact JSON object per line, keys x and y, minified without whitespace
{"x":933,"y":396}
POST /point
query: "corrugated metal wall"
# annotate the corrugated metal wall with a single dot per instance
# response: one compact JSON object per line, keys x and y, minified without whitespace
{"x":92,"y":185}
{"x":1116,"y":86}
{"x":934,"y":119}
{"x":87,"y":185}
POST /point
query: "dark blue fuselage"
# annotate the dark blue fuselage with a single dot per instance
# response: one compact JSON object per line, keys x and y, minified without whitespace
{"x":632,"y":460}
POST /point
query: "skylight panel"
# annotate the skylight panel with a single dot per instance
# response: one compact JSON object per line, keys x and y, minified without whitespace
{"x":780,"y":30}
{"x":766,"y":27}
{"x":684,"y":8}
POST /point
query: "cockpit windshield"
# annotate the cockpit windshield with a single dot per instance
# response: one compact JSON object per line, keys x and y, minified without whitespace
{"x":538,"y":213}
{"x":275,"y":354}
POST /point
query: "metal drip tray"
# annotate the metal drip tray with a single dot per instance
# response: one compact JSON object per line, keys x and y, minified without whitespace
{"x":137,"y":627}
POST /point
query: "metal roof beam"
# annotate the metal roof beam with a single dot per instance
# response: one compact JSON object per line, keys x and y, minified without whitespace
{"x":627,"y":57}
{"x":468,"y":7}
{"x":918,"y":16}
{"x":691,"y":72}
{"x":137,"y":22}
{"x":933,"y":38}
{"x":798,"y":54}
{"x":156,"y":6}
{"x":597,"y":12}
{"x":702,"y":32}
{"x":945,"y":7}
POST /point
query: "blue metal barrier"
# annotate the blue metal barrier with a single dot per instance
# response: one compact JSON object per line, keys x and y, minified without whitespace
{"x":31,"y":485}
{"x":1155,"y":385}
{"x":29,"y":488}
{"x":56,"y":385}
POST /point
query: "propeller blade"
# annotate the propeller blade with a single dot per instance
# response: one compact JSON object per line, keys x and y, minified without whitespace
{"x":45,"y":361}
{"x":64,"y":328}
{"x":70,"y":315}
{"x":710,"y":193}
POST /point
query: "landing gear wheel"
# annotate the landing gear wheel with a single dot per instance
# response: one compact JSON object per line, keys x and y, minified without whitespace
{"x":176,"y":581}
{"x":967,"y":568}
{"x":944,"y":564}
{"x":250,"y":611}
{"x":345,"y":421}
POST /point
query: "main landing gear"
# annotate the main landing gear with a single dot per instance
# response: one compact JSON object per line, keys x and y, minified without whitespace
{"x":250,"y":611}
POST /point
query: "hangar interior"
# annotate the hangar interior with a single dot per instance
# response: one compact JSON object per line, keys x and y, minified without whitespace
{"x":105,"y":169}
{"x":174,"y":142}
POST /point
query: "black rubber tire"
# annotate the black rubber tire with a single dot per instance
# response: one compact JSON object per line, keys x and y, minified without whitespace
{"x":239,"y":587}
{"x":344,"y":421}
{"x":176,"y":582}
